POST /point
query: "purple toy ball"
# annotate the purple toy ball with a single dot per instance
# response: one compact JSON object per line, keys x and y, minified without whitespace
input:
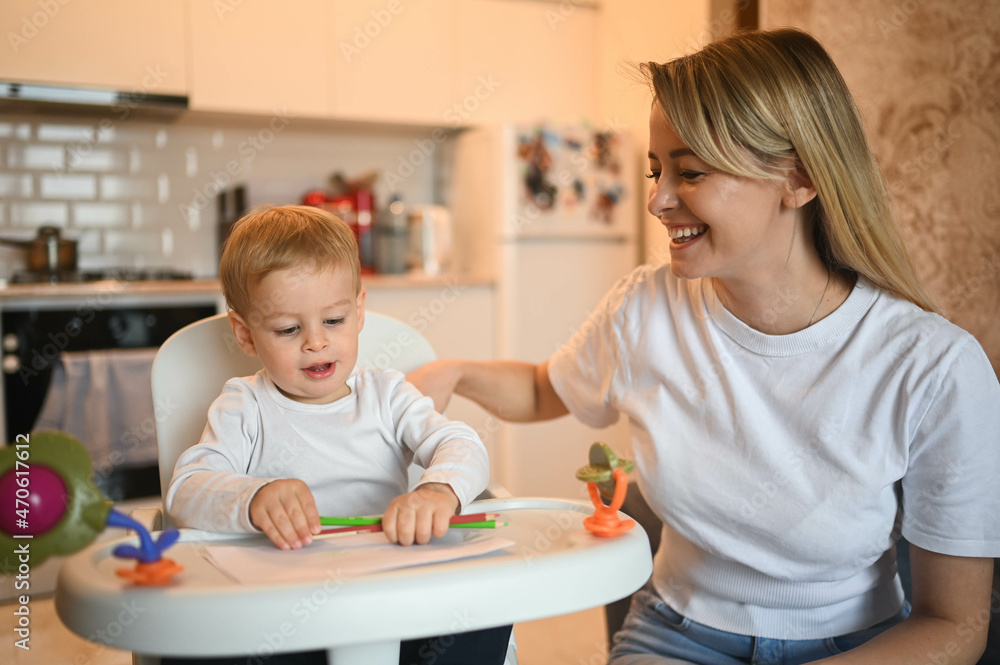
{"x":31,"y":503}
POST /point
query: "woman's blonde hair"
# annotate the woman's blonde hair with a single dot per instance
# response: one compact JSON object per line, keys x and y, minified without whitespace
{"x":746,"y":103}
{"x":270,"y":239}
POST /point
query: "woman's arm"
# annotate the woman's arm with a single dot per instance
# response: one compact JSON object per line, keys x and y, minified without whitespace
{"x":510,"y":390}
{"x":951,"y":613}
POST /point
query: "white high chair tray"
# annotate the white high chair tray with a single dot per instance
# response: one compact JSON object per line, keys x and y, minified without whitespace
{"x":555,"y":567}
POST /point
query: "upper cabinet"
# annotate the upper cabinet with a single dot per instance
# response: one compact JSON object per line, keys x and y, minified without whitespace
{"x":116,"y":44}
{"x":251,"y":56}
{"x":433,"y":62}
{"x":391,"y":60}
{"x":461,"y":62}
{"x":525,"y":60}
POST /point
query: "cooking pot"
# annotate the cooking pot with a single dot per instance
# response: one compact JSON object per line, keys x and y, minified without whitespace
{"x":48,"y":251}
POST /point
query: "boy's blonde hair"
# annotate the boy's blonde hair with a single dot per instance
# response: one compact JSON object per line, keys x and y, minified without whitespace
{"x":746,"y":103}
{"x":270,"y":239}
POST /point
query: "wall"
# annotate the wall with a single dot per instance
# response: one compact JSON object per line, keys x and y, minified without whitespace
{"x":927,"y":80}
{"x":140,"y":192}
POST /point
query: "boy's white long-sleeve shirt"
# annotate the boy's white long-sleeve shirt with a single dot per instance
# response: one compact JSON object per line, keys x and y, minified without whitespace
{"x":352,"y":453}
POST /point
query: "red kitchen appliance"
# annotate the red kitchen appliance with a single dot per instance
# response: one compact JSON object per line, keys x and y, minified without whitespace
{"x":356,"y":208}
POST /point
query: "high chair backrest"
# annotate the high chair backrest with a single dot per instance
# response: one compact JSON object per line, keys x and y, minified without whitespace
{"x":194,"y":363}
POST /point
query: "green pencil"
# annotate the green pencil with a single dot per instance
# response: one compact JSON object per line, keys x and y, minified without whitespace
{"x":349,"y":521}
{"x":458,"y":522}
{"x":488,"y":524}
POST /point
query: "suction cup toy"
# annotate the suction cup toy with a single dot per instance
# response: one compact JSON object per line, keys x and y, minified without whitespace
{"x":49,"y":507}
{"x":608,"y":474}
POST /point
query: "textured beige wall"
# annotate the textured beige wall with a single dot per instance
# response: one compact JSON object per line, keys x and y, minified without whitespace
{"x":926,"y":74}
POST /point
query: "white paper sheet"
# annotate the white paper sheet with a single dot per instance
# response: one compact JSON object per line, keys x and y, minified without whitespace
{"x":344,"y":556}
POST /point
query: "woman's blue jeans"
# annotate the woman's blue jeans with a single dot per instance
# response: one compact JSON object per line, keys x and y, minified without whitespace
{"x":655,"y":634}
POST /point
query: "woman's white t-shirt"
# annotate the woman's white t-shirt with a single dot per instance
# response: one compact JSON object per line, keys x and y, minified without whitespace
{"x":780,"y":464}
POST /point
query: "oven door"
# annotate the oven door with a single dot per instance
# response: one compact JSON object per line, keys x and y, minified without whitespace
{"x":38,"y":340}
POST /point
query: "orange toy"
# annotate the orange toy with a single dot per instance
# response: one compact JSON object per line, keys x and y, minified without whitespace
{"x":611,"y":474}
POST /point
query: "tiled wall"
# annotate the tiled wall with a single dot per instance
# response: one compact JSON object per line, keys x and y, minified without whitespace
{"x":140,"y":193}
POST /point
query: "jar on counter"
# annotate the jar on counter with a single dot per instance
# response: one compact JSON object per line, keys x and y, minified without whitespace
{"x":430,"y":239}
{"x":392,"y":239}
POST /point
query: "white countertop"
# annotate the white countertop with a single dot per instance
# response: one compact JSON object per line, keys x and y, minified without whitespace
{"x":13,"y":292}
{"x":208,"y":287}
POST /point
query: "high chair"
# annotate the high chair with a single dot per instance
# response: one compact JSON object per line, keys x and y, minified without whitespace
{"x":195,"y":362}
{"x":192,"y":366}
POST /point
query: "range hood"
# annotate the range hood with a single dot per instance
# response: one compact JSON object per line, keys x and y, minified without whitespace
{"x":34,"y":97}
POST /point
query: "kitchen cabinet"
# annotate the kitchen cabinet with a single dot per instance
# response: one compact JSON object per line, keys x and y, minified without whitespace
{"x":436,"y":62}
{"x":522,"y":61}
{"x":391,"y":60}
{"x":259,"y":58}
{"x":115,"y":44}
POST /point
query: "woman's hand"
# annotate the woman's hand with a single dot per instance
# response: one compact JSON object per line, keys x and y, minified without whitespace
{"x":424,"y":512}
{"x":286,"y":511}
{"x":437,"y":380}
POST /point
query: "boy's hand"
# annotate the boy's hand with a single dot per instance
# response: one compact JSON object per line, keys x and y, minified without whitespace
{"x":286,"y":511}
{"x":422,"y":513}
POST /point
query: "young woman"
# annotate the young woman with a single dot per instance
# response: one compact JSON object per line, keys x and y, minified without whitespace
{"x":795,"y":402}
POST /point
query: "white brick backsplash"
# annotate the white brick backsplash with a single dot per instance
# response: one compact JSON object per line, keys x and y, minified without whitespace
{"x":88,"y":243}
{"x":122,"y":187}
{"x":84,"y":157}
{"x":167,"y":243}
{"x":162,"y":188}
{"x":34,"y":214}
{"x":101,"y":215}
{"x":66,"y":133}
{"x":146,"y":243}
{"x":131,"y":132}
{"x":36,"y":157}
{"x":107,"y":134}
{"x":67,"y":186}
{"x":124,"y":193}
{"x":15,"y":185}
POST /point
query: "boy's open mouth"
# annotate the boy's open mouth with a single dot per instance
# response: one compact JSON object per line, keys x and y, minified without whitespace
{"x":319,"y":370}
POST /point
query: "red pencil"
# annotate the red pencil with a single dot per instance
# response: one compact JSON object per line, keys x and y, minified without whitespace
{"x":350,"y":530}
{"x":474,"y":517}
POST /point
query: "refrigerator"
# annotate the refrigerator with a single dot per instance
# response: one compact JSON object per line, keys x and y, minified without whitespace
{"x":550,"y":213}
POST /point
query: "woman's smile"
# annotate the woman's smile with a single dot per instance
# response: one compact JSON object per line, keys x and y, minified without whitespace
{"x":682,"y":235}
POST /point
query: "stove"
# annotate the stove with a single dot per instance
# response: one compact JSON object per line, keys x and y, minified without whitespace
{"x":106,"y":274}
